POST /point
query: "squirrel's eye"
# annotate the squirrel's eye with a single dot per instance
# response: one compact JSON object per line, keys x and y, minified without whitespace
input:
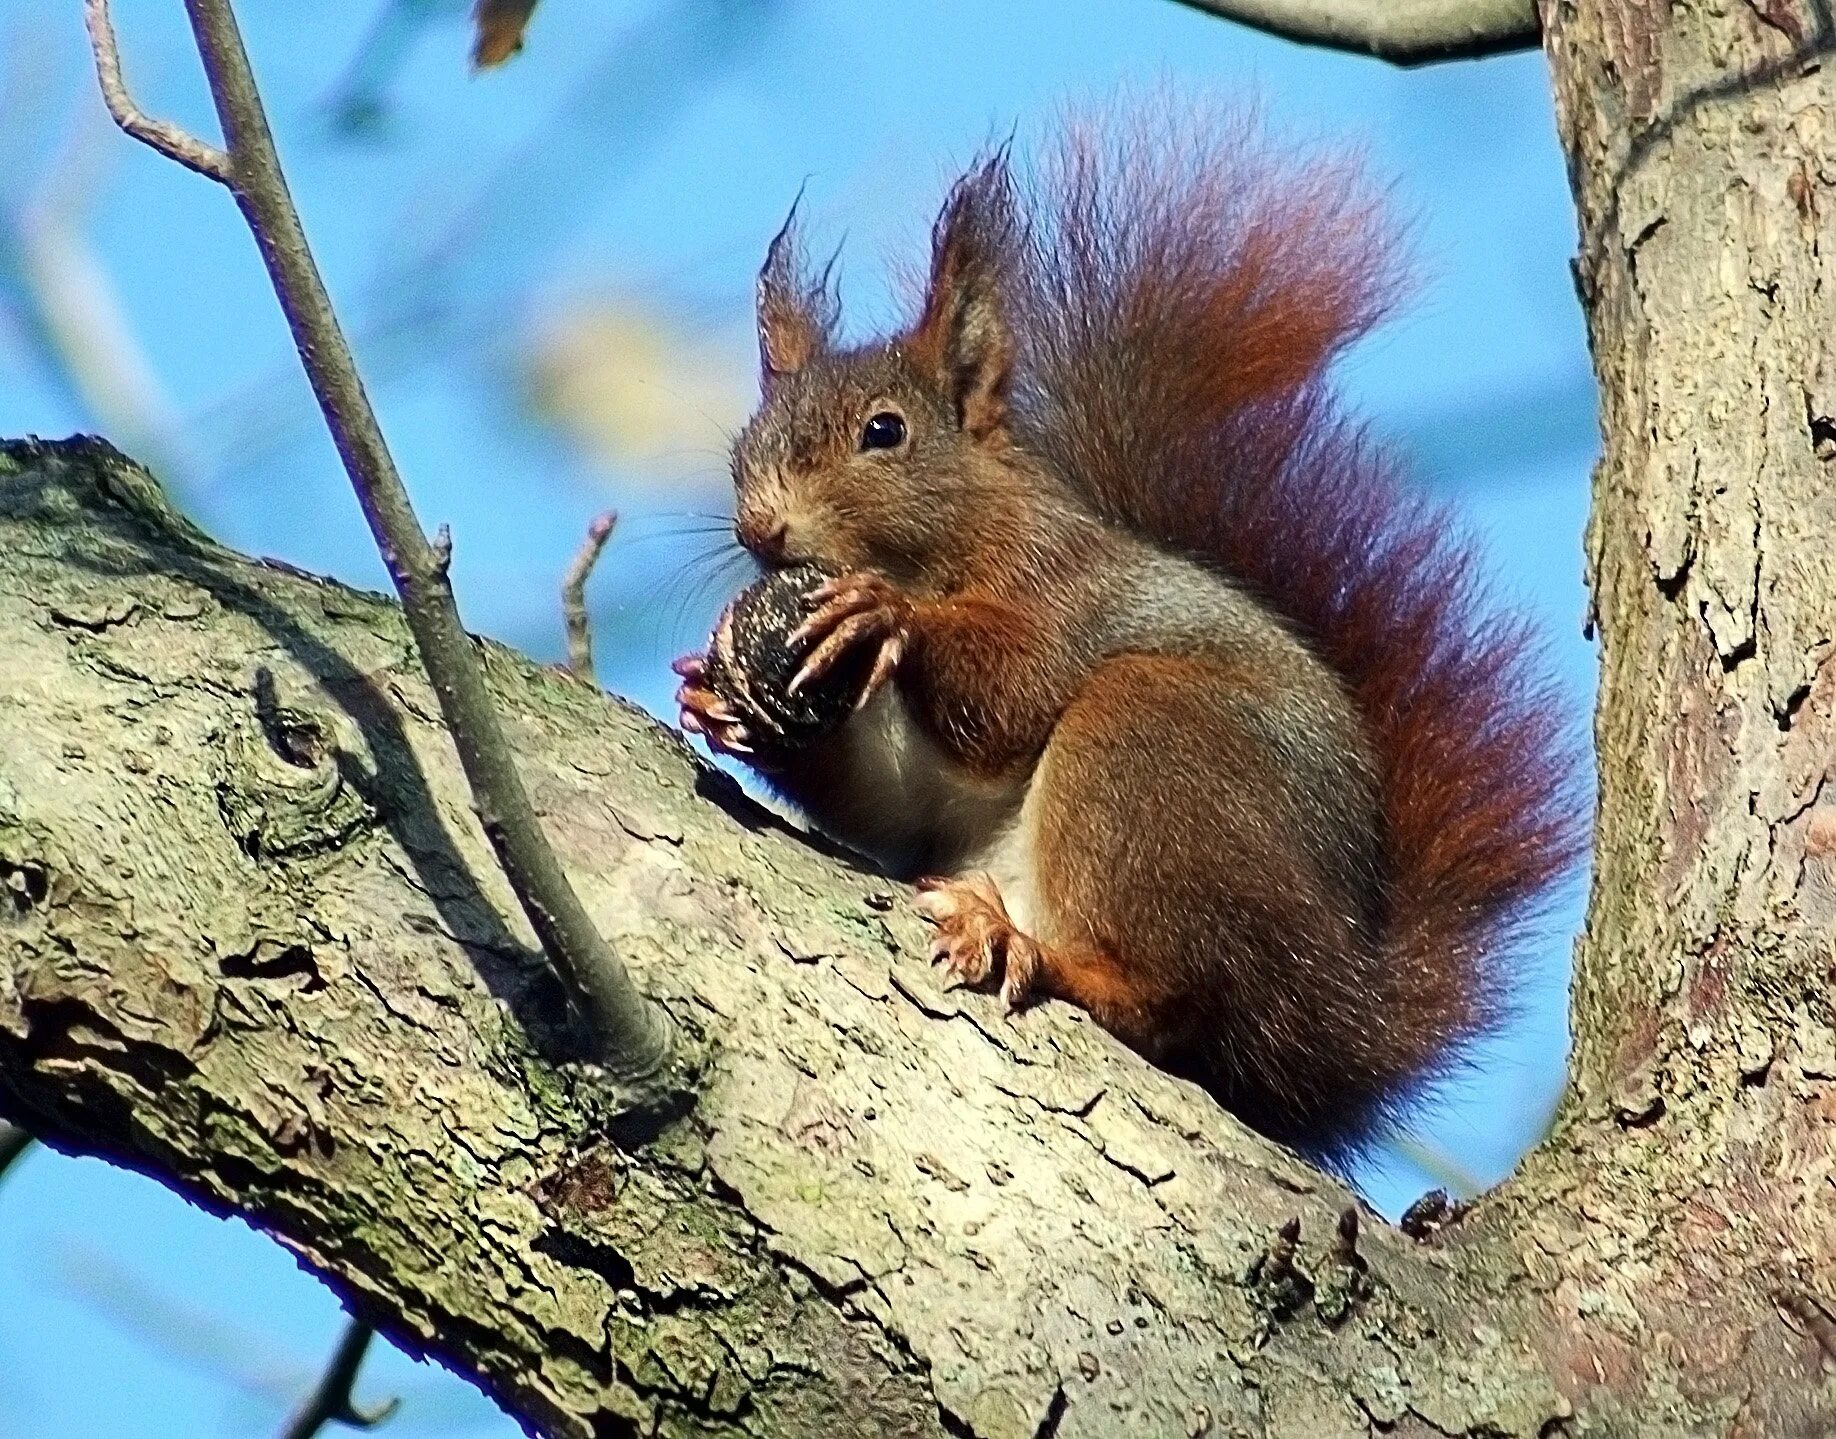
{"x":884,"y":431}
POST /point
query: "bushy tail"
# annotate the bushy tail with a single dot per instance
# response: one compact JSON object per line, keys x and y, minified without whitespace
{"x":1179,"y":293}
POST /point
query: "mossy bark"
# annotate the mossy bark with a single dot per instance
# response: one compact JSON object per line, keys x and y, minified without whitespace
{"x":252,"y":942}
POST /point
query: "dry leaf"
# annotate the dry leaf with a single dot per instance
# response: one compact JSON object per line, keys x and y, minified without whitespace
{"x":500,"y":30}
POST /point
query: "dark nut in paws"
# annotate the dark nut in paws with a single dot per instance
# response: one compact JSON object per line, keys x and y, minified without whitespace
{"x":756,"y":666}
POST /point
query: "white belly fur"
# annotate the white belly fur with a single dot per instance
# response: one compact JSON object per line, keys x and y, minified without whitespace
{"x":913,"y":809}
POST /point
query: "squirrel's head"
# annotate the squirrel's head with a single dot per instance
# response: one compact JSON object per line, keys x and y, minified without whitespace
{"x":885,"y":456}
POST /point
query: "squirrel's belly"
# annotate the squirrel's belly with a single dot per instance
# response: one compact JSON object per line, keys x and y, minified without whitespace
{"x":915,"y":811}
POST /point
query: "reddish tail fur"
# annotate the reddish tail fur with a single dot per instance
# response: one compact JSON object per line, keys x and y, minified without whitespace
{"x":1243,"y":278}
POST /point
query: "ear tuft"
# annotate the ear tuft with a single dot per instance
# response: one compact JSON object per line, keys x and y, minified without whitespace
{"x":962,"y":333}
{"x":796,"y":311}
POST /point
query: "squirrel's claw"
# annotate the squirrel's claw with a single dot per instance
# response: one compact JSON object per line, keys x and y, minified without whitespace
{"x":838,"y":599}
{"x":708,"y":715}
{"x":975,"y":937}
{"x":853,"y":610}
{"x":846,"y":636}
{"x":1020,"y":978}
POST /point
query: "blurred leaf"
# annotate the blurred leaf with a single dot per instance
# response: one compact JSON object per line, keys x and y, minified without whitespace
{"x":500,"y":30}
{"x":360,"y":105}
{"x":627,"y":387}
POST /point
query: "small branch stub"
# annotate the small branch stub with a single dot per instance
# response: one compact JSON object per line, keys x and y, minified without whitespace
{"x":573,"y":595}
{"x":1430,"y":1214}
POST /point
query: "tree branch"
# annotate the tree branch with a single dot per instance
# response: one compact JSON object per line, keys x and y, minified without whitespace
{"x":333,"y":1402}
{"x":891,"y":1212}
{"x":573,"y":595}
{"x":1403,"y":32}
{"x":161,"y":135}
{"x":632,"y":1040}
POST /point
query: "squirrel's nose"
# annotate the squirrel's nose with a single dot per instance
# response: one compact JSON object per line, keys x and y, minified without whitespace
{"x":768,"y":539}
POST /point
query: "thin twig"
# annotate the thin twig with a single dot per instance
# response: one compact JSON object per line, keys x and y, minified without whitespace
{"x":573,"y":595}
{"x":634,"y":1040}
{"x":14,"y":1142}
{"x":1403,"y":32}
{"x":632,"y":1036}
{"x":162,"y":135}
{"x":332,"y":1402}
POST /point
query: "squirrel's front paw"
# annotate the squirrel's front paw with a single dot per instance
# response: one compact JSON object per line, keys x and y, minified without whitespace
{"x":856,"y":610}
{"x":975,"y":936}
{"x":709,"y":715}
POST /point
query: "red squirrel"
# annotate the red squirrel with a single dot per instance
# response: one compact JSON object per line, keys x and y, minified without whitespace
{"x":1178,"y":707}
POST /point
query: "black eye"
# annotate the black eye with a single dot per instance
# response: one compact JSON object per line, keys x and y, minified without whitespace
{"x":885,"y":431}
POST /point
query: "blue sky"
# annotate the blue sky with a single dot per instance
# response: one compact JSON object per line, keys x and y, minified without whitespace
{"x":635,"y":160}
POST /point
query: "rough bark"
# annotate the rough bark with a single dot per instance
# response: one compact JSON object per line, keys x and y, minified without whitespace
{"x":251,"y":942}
{"x":1701,"y":142}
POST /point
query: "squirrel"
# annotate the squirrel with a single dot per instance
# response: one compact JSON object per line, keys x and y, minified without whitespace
{"x":1178,"y":706}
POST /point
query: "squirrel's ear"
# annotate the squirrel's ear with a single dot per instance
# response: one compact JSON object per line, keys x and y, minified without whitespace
{"x":796,"y":311}
{"x":962,"y":333}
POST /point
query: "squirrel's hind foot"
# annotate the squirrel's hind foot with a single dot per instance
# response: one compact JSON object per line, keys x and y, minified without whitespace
{"x":975,"y":937}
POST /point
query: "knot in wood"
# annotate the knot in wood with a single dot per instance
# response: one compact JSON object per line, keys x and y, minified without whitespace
{"x":281,"y":786}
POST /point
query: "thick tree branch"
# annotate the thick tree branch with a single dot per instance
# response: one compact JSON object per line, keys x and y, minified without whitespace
{"x":250,"y":942}
{"x":630,"y":1038}
{"x":263,"y":957}
{"x":1404,"y":32}
{"x":333,"y":1402}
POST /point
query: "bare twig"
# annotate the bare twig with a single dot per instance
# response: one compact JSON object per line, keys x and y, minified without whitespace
{"x":633,"y":1039}
{"x":162,"y":135}
{"x":1404,"y":32}
{"x":332,"y":1402}
{"x":573,"y":595}
{"x":443,"y":550}
{"x":14,"y":1142}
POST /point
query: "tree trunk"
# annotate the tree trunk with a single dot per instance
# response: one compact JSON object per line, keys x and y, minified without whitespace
{"x":251,"y":941}
{"x":1700,"y":1280}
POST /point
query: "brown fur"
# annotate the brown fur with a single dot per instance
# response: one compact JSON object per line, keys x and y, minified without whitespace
{"x":1288,"y":793}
